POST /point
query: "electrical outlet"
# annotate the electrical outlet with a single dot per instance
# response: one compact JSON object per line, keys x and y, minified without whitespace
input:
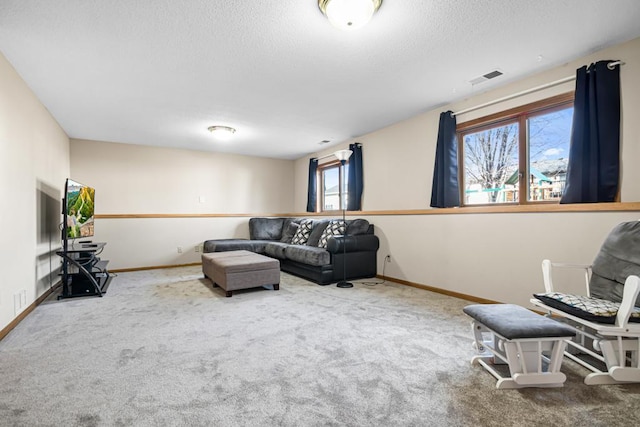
{"x":19,"y":301}
{"x":197,"y":249}
{"x":387,"y":258}
{"x":179,"y":249}
{"x":16,"y":304}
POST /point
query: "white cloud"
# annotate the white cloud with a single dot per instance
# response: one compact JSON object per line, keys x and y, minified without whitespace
{"x":553,"y":151}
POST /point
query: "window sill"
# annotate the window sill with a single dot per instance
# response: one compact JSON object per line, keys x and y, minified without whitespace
{"x":532,"y":208}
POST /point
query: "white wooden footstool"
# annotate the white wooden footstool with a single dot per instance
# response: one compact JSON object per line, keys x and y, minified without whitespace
{"x":233,"y":270}
{"x":532,"y":345}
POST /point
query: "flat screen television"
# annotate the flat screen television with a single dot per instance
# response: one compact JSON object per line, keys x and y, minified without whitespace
{"x":78,"y":210}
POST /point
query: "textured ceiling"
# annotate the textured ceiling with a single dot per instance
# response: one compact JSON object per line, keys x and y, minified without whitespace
{"x":159,"y":72}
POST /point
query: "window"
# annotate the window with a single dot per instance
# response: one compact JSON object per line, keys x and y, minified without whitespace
{"x":499,"y":151}
{"x":333,"y":186}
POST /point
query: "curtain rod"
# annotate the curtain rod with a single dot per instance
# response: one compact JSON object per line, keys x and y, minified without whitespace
{"x":610,"y":65}
{"x":325,"y":157}
{"x":333,"y":154}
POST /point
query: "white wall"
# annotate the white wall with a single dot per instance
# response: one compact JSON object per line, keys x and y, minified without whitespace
{"x":34,"y":162}
{"x":493,"y":256}
{"x":134,"y":180}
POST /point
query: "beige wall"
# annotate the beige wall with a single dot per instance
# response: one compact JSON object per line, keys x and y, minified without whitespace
{"x":494,"y":256}
{"x":34,"y":162}
{"x":133,"y":179}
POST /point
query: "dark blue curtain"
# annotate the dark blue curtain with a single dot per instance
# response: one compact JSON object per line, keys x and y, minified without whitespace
{"x":355,"y":184}
{"x":312,"y":191}
{"x":594,"y":156}
{"x":444,"y":190}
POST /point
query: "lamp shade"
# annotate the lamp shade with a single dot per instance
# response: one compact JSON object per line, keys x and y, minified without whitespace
{"x":349,"y":14}
{"x":343,"y":155}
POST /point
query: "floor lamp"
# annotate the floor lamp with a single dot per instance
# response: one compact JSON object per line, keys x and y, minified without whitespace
{"x":343,"y":156}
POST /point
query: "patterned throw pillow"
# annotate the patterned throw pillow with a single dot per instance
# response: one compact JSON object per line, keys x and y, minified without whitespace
{"x":592,"y":309}
{"x":334,"y":228}
{"x":303,"y":232}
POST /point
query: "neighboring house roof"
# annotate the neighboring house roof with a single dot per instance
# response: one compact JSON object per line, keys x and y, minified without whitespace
{"x":551,"y":167}
{"x":539,"y":176}
{"x":332,"y":190}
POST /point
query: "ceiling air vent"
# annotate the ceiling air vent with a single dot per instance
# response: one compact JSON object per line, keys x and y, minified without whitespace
{"x":483,"y":78}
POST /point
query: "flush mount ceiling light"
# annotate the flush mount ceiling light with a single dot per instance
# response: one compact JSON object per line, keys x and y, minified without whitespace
{"x":349,"y":14}
{"x":222,"y":132}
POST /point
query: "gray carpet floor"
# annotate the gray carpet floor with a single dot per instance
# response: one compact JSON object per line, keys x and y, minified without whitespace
{"x":165,"y":348}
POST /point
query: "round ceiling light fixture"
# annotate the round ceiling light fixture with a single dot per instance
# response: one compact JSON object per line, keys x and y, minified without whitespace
{"x":222,"y":132}
{"x":349,"y":14}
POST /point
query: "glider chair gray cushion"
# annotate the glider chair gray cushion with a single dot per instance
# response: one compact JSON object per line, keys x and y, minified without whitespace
{"x":619,"y":258}
{"x":515,"y":322}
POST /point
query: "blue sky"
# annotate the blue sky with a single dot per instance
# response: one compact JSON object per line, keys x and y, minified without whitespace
{"x":549,"y":135}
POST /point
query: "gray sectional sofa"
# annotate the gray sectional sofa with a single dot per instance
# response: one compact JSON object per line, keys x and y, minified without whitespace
{"x":321,"y":257}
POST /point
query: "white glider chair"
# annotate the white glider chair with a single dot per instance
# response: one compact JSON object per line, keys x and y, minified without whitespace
{"x":607,"y":317}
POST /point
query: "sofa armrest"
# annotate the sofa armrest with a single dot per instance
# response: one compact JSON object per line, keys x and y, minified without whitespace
{"x":359,"y":243}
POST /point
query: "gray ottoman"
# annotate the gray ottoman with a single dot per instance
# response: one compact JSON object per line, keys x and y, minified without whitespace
{"x":233,"y":270}
{"x":532,"y":345}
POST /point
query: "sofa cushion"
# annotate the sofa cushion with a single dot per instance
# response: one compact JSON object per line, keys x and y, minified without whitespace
{"x":357,"y":227}
{"x":302,"y":233}
{"x":265,"y":228}
{"x":275,"y":249}
{"x":288,"y":231}
{"x":223,"y":245}
{"x":318,"y":229}
{"x":335,"y":227}
{"x":310,"y":255}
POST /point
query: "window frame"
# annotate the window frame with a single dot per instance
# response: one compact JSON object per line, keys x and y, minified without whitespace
{"x":341,"y":185}
{"x":517,"y":115}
